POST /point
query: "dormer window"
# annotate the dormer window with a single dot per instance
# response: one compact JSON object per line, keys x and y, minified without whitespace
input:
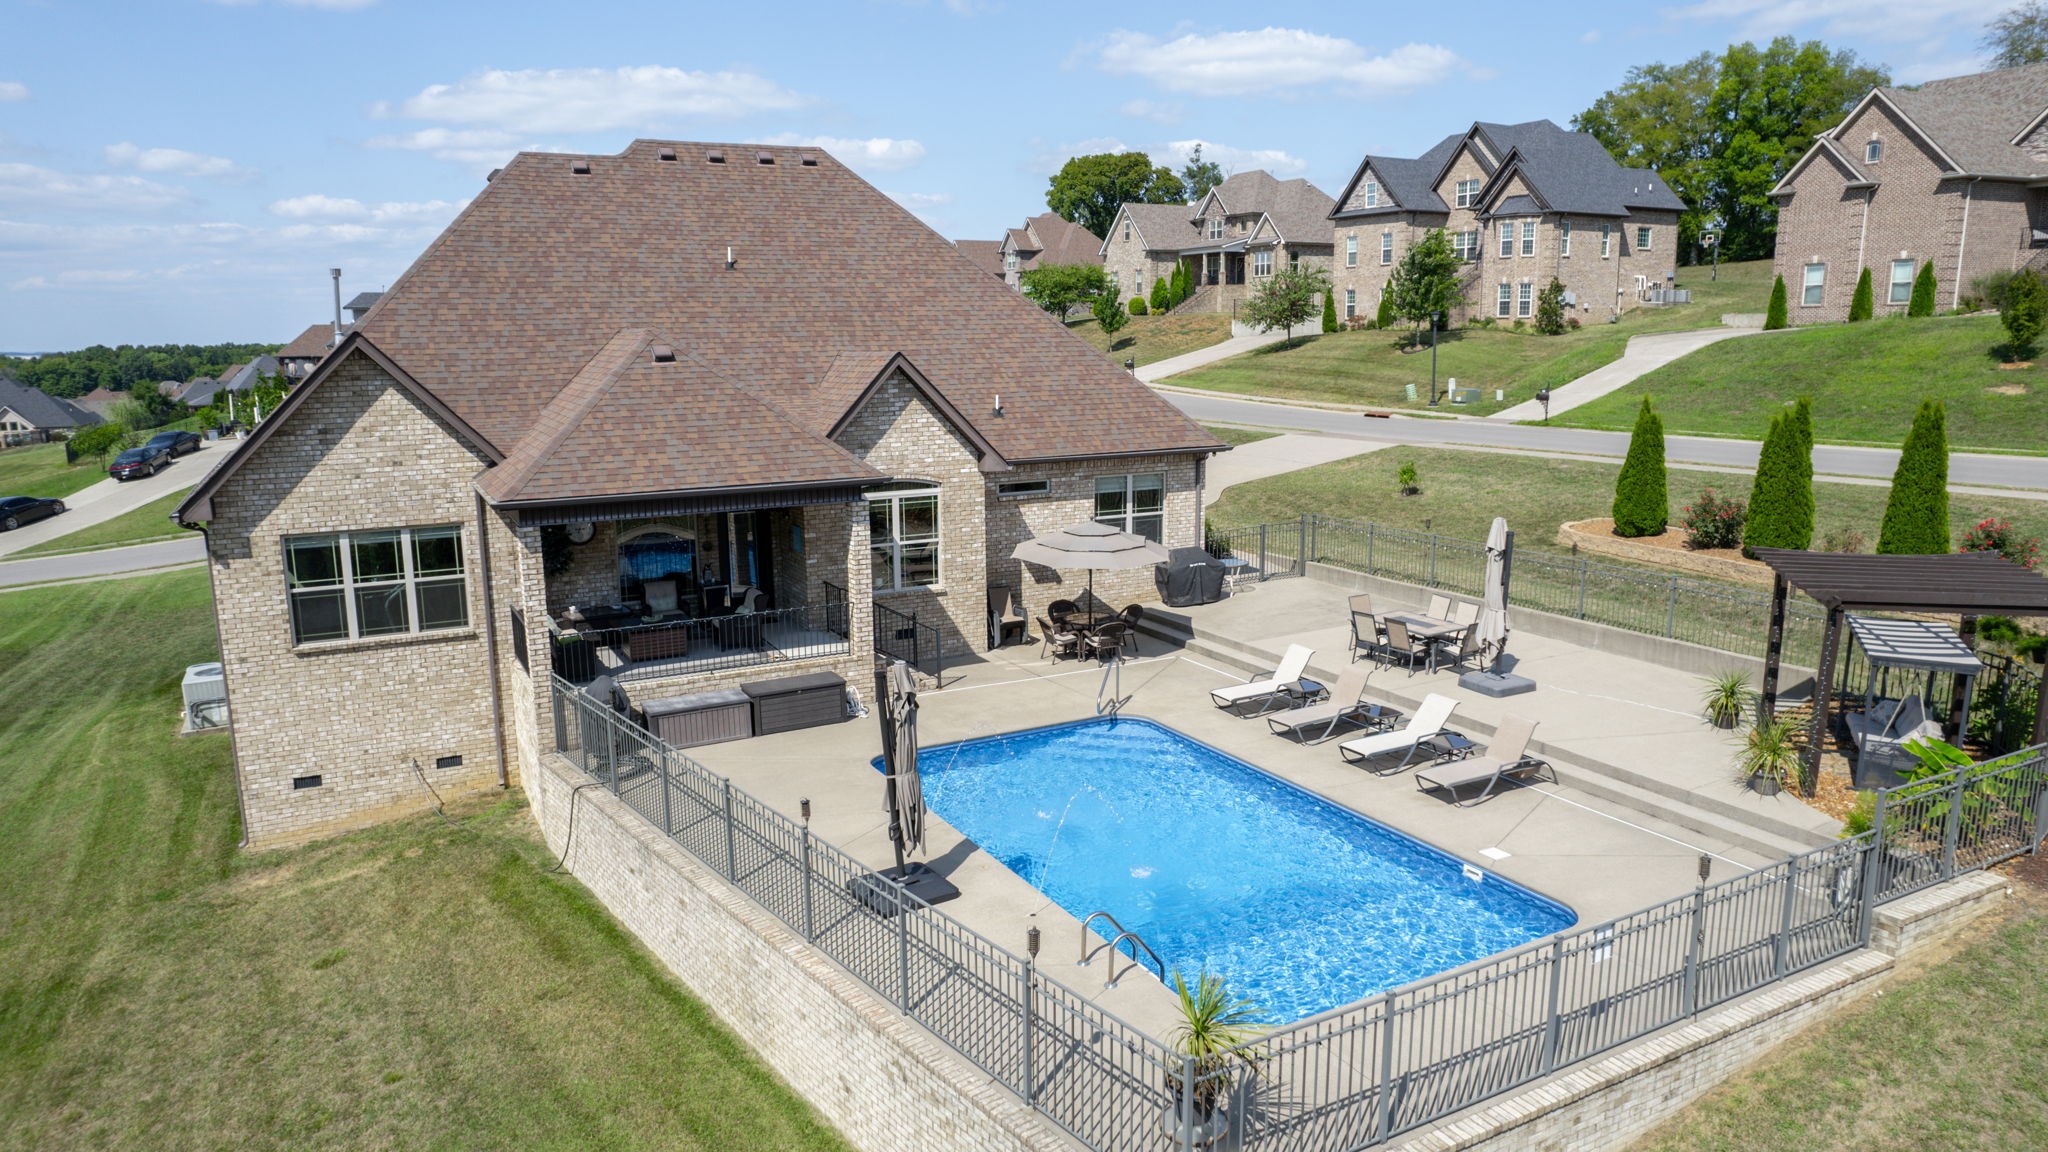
{"x":1216,"y":228}
{"x":1372,"y":194}
{"x":1873,"y":151}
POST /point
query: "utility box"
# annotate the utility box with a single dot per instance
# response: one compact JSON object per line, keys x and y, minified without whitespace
{"x":206,"y":696}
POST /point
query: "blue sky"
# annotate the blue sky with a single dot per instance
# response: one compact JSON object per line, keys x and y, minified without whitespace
{"x":188,"y":170}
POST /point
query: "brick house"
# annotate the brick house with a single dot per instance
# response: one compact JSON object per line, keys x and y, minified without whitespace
{"x":1522,"y":203}
{"x":593,"y":431}
{"x":32,"y":416}
{"x":986,"y":255}
{"x":1234,"y":237}
{"x":297,"y":358}
{"x":1047,"y":238}
{"x":1947,"y":172}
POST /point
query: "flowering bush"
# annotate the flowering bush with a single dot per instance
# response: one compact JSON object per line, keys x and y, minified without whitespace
{"x":1997,"y":535}
{"x":1712,"y":522}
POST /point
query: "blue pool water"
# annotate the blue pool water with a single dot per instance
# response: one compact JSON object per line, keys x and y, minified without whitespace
{"x":1300,"y":904}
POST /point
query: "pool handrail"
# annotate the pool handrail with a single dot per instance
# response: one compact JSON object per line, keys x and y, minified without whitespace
{"x":1122,"y":934}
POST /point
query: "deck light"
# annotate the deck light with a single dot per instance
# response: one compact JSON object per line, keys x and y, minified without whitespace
{"x":804,"y":806}
{"x":1031,"y":941}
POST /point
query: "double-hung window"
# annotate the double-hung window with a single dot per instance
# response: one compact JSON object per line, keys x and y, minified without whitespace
{"x":1873,"y":151}
{"x":1506,"y":300}
{"x":1528,"y":237}
{"x":1564,"y":237}
{"x":903,"y":537}
{"x":1351,"y":251}
{"x":1372,"y":194}
{"x":1813,"y":284}
{"x":1387,"y":247}
{"x":1465,"y":245}
{"x":1468,"y":191}
{"x":1507,"y":238}
{"x":347,"y":585}
{"x":1351,"y":303}
{"x":1524,"y":296}
{"x":1606,"y":240}
{"x":1133,"y":503}
{"x":1642,"y":237}
{"x":1216,"y":228}
{"x":1127,"y":230}
{"x":1902,"y":283}
{"x":1262,"y":262}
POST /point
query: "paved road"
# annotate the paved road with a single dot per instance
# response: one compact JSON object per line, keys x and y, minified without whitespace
{"x":1963,"y":468}
{"x":1641,"y":355}
{"x":110,"y":498}
{"x":105,"y":562}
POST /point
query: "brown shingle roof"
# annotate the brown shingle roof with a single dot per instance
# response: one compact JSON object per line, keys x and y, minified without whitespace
{"x":1061,"y":241}
{"x":310,"y":344}
{"x":547,"y":265}
{"x":986,"y":255}
{"x":1974,"y":118}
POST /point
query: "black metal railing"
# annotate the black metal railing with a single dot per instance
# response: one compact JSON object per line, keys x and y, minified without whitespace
{"x":706,"y":644}
{"x":901,"y":636}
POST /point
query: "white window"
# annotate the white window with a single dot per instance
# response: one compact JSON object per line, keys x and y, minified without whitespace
{"x":1024,"y":488}
{"x":1564,"y":237}
{"x":1216,"y":228}
{"x":1528,"y":237}
{"x":1873,"y":152}
{"x":1138,"y":282}
{"x":1127,"y":229}
{"x":1642,"y":237}
{"x":1009,"y":261}
{"x":1372,"y":194}
{"x":903,"y":537}
{"x":1524,"y":295}
{"x":1387,"y":247}
{"x":1813,"y":284}
{"x":1351,"y":251}
{"x":1262,"y":262}
{"x":354,"y":584}
{"x":1468,"y":191}
{"x":1506,"y":300}
{"x":1507,"y":238}
{"x":1606,"y":240}
{"x":1351,"y":303}
{"x":1902,"y":283}
{"x":1133,"y":503}
{"x":1465,"y":245}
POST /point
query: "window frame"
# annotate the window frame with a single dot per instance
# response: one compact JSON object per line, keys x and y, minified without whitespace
{"x":1504,"y":301}
{"x":1019,"y":489}
{"x":411,"y":581}
{"x":1216,"y":228}
{"x":1127,"y":231}
{"x":1899,"y":291}
{"x":1128,"y":519}
{"x":1262,"y":262}
{"x":1467,"y":191}
{"x":1564,"y":238}
{"x":1372,"y":194}
{"x":1812,"y":288}
{"x":1507,"y":239}
{"x":1528,"y":237}
{"x":1351,"y":250}
{"x":1873,"y":151}
{"x":894,"y":495}
{"x":1351,"y":303}
{"x":1525,"y":299}
{"x":1386,"y":247}
{"x":1643,"y":234}
{"x":1606,"y":241}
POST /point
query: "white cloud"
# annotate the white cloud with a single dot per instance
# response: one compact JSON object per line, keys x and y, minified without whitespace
{"x":594,"y":99}
{"x":12,"y":91}
{"x":29,"y":186}
{"x":1590,"y":36}
{"x":1152,"y":110}
{"x":922,"y":201}
{"x":483,"y":148}
{"x":341,"y":208}
{"x":1274,"y":60}
{"x":1897,"y":21}
{"x":879,"y":153}
{"x":1279,"y":163}
{"x":173,"y":161}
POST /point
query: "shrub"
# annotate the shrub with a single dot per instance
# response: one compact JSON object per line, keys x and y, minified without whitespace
{"x":1550,"y":308}
{"x":1406,"y":477}
{"x":1138,"y":306}
{"x":1385,"y":317}
{"x":2022,"y":314}
{"x":1641,"y":505}
{"x":99,"y":439}
{"x":1781,"y":500}
{"x":1520,"y":324}
{"x":1162,"y":294}
{"x":1713,"y":522}
{"x":1923,"y":292}
{"x":1997,"y":535}
{"x":1572,"y":322}
{"x":1860,"y":305}
{"x":1990,"y":290}
{"x":1329,"y":311}
{"x":1846,"y":540}
{"x":1774,"y":316}
{"x":1916,"y":514}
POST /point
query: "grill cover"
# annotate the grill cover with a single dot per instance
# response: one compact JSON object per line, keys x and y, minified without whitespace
{"x":1191,"y":576}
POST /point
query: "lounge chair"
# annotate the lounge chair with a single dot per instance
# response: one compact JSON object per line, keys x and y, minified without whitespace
{"x":1280,"y":688}
{"x":1508,"y":756}
{"x":1428,"y":721}
{"x":1346,"y":705}
{"x":1006,"y":615}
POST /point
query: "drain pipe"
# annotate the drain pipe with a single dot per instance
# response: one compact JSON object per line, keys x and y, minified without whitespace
{"x":1956,"y":297}
{"x":483,"y":545}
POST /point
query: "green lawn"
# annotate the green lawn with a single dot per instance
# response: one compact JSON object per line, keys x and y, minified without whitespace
{"x":1149,"y":338}
{"x":1953,"y":1058}
{"x":423,"y":985}
{"x":1462,"y":491}
{"x":152,"y":521}
{"x":1236,"y":436}
{"x":40,"y":471}
{"x":1866,"y":381}
{"x":1372,"y":369}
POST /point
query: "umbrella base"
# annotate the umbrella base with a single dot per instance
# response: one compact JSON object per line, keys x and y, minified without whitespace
{"x":1496,"y":683}
{"x":877,"y":891}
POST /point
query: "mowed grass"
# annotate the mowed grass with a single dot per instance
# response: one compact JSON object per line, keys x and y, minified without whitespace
{"x":1462,"y":491}
{"x":1149,"y":338}
{"x":1866,"y":381}
{"x":1235,"y":436}
{"x":1953,"y":1058}
{"x":1375,"y":369}
{"x":422,"y":985}
{"x":152,"y":521}
{"x":39,"y":470}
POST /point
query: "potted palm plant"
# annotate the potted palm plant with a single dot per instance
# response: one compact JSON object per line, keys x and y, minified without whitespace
{"x":1213,"y":1028}
{"x":1768,"y":756}
{"x":1726,"y":697}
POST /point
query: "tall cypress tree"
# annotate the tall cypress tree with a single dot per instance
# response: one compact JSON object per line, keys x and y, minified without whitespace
{"x":1800,"y":518}
{"x":1330,"y":311}
{"x":1861,"y":305}
{"x":1922,"y":303}
{"x":1781,"y":502}
{"x":1774,"y":316}
{"x":1916,"y":516}
{"x":1385,"y":319}
{"x":1642,"y":507}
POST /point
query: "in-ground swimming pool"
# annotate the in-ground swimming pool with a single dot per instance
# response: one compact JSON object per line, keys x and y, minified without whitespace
{"x":1300,"y":904}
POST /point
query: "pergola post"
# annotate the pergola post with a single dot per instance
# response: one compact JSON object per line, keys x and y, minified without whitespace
{"x":1774,"y":649}
{"x":1960,"y":690}
{"x":2041,"y":716}
{"x":1823,"y":683}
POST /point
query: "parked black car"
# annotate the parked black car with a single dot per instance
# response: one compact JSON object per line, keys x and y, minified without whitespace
{"x":176,"y":443}
{"x":144,"y":461}
{"x":18,"y":510}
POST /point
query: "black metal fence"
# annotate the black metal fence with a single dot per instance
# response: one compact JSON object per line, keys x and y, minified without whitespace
{"x":708,"y":644}
{"x":1358,"y":1075}
{"x":900,"y":636}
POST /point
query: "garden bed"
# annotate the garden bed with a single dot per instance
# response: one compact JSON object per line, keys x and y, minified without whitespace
{"x":1667,"y":550}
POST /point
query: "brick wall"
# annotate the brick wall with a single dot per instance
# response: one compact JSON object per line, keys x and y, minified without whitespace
{"x":1070,"y":499}
{"x":1129,"y":260}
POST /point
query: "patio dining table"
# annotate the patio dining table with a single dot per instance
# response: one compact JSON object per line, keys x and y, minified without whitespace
{"x":1088,"y":619}
{"x":1428,"y":628}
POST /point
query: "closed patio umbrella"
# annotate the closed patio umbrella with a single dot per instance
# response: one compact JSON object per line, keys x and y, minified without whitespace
{"x":1492,"y":633}
{"x":1091,"y":547}
{"x":896,"y":691}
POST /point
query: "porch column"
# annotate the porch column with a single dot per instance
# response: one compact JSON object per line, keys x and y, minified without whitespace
{"x":1774,"y":650}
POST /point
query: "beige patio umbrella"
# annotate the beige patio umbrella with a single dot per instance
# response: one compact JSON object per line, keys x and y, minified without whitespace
{"x":1091,"y":547}
{"x":1492,"y":633}
{"x":906,"y":791}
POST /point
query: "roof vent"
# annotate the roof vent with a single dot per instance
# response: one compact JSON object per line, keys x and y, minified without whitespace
{"x":715,"y":156}
{"x":665,"y":154}
{"x":764,"y":157}
{"x":580,"y":167}
{"x":663,"y":353}
{"x":807,"y":160}
{"x":493,"y":175}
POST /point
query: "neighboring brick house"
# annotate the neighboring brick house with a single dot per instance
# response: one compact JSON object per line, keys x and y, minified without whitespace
{"x":1947,"y":172}
{"x":986,"y":255}
{"x":1048,"y":238}
{"x":31,"y":416}
{"x":591,"y":428}
{"x":1239,"y":233}
{"x":297,"y":358}
{"x":1522,"y":203}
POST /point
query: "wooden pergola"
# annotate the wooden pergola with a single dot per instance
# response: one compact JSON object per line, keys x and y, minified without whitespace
{"x":1966,"y":584}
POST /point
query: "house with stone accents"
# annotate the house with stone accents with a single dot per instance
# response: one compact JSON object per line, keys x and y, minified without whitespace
{"x":1521,"y":203}
{"x":1047,"y":238}
{"x":297,"y":358}
{"x":593,"y":432}
{"x":1235,"y":236}
{"x":1949,"y":172}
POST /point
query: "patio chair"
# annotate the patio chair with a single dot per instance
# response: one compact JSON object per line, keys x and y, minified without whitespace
{"x":1367,"y":635}
{"x":1458,"y":647}
{"x":1439,"y":606}
{"x":661,"y":596}
{"x":1006,"y":615}
{"x":1058,"y":641}
{"x":1506,"y":758}
{"x":1059,"y":610}
{"x":1107,"y":639}
{"x":1279,"y":688}
{"x":1428,"y":721}
{"x":1465,"y":612}
{"x":1131,"y":614}
{"x":1346,"y":705}
{"x":1406,"y":647}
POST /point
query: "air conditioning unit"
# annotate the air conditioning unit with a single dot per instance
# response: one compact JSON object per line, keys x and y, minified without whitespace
{"x":206,"y":697}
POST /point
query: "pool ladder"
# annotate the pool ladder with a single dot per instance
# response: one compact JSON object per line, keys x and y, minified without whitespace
{"x":1122,"y":934}
{"x":1110,"y":700}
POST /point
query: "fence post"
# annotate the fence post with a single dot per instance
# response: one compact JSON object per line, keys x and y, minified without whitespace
{"x":916,"y":644}
{"x":1369,"y":571}
{"x":1952,"y":827}
{"x":1315,"y":539}
{"x":1386,"y":1072}
{"x":1432,"y":560}
{"x":1028,"y":1091}
{"x":668,"y":825}
{"x":611,"y":753}
{"x":1262,"y":553}
{"x":810,"y":921}
{"x":1187,"y":1103}
{"x":1554,"y":1025}
{"x":1582,"y":588}
{"x":1873,"y":869}
{"x":1781,"y":949}
{"x":1692,"y":950}
{"x":2040,"y":818}
{"x":732,"y":856}
{"x":903,"y":946}
{"x":1671,"y":612}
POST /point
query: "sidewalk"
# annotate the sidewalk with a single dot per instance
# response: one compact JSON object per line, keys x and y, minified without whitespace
{"x":1642,"y":355}
{"x":1276,"y":456}
{"x":1189,"y":361}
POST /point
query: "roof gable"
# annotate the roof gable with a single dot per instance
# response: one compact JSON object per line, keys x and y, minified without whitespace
{"x":41,"y":409}
{"x":1975,"y":122}
{"x":900,"y":365}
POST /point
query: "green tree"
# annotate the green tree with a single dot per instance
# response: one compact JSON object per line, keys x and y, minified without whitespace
{"x":1642,"y":506}
{"x":99,"y":439}
{"x":1162,"y":292}
{"x":2018,"y":37}
{"x":1088,"y":190}
{"x":1860,"y":304}
{"x":1287,"y":299}
{"x":1424,"y":287}
{"x":1781,"y":500}
{"x":1183,"y":282}
{"x":1774,"y":315}
{"x":1330,"y":311}
{"x":1550,"y":308}
{"x":1138,"y":306}
{"x":1061,"y":288}
{"x":1385,"y":318}
{"x":1657,"y":119}
{"x":1197,"y":176}
{"x":2022,"y":313}
{"x":1109,"y":314}
{"x":1916,"y":515}
{"x":1922,"y":303}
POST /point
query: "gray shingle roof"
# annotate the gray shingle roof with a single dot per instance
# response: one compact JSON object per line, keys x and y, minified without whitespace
{"x":1061,"y":241}
{"x":986,"y":255}
{"x":1299,"y":210}
{"x":1569,"y":172}
{"x":1164,"y":226}
{"x":40,"y":408}
{"x":1975,"y":118}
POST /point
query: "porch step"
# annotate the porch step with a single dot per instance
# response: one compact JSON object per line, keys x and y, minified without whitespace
{"x":1725,"y":819}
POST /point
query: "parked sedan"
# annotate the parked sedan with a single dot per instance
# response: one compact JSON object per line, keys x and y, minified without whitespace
{"x":144,"y":461}
{"x":18,"y":510}
{"x":176,"y":443}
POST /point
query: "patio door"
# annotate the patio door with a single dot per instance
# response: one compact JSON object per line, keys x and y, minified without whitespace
{"x":749,"y":555}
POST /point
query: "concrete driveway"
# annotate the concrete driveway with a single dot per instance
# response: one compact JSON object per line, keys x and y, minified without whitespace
{"x":1642,"y":355}
{"x":110,"y":498}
